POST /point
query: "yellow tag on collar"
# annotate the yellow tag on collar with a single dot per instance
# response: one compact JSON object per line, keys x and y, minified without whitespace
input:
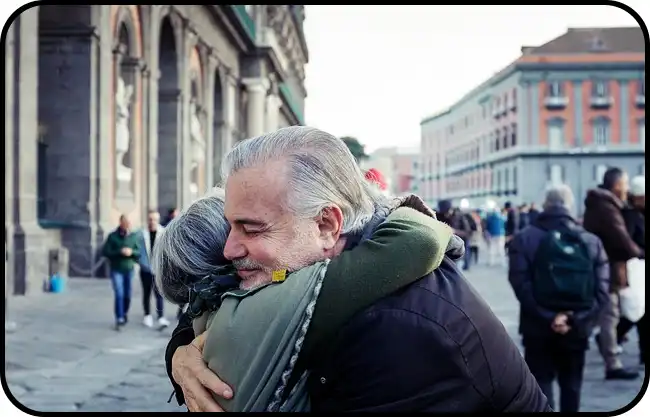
{"x":279,"y":275}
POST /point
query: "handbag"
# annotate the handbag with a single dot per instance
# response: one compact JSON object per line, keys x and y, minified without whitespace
{"x":632,"y":297}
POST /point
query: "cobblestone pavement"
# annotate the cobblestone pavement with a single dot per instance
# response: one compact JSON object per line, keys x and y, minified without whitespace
{"x":65,"y":356}
{"x":597,"y":394}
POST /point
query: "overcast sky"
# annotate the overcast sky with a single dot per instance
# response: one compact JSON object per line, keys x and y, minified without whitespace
{"x":376,"y":71}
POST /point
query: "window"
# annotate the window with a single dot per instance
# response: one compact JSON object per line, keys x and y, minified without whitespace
{"x":599,"y":173}
{"x":513,"y":134}
{"x":642,"y":133}
{"x":555,"y":89}
{"x":555,"y":135}
{"x":642,"y":86}
{"x":505,"y":136}
{"x":600,"y":89}
{"x":556,"y":174}
{"x":601,"y":132}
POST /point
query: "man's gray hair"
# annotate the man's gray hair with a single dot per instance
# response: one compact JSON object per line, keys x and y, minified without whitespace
{"x":190,"y":247}
{"x":322,"y":172}
{"x":559,"y":195}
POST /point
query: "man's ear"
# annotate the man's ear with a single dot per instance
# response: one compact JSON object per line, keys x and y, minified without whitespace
{"x":330,"y":224}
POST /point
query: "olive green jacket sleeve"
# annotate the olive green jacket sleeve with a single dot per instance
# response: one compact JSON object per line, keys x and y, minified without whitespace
{"x":405,"y":247}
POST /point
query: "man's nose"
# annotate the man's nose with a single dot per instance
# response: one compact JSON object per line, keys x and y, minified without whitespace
{"x":234,"y":249}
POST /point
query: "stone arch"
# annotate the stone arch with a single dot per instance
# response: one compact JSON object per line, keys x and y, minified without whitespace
{"x":126,"y":20}
{"x":169,"y":111}
{"x":218,"y":123}
{"x":127,"y":108}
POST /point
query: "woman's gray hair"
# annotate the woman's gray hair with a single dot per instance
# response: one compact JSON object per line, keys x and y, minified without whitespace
{"x":190,"y":247}
{"x":559,"y":195}
{"x":323,"y":172}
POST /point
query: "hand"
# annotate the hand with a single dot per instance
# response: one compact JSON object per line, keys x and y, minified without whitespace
{"x":192,"y":374}
{"x":127,"y":251}
{"x":560,"y":324}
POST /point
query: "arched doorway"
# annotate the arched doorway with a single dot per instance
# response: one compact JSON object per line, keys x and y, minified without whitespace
{"x":169,"y":96}
{"x":218,"y":123}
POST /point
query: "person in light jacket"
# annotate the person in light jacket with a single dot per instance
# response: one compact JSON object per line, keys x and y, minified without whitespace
{"x":147,"y":241}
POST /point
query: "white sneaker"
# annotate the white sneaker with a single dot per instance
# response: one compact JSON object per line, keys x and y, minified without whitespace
{"x":148,"y":321}
{"x":163,"y":322}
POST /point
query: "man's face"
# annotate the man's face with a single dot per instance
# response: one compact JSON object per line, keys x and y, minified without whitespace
{"x":125,"y":223}
{"x":152,"y":220}
{"x":265,"y":236}
{"x":622,"y":186}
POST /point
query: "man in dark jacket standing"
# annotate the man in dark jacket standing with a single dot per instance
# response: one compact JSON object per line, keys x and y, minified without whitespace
{"x":122,"y":251}
{"x":603,"y":217}
{"x":555,"y":341}
{"x":432,"y":346}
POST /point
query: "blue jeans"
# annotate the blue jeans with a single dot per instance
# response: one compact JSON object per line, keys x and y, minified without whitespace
{"x":122,"y":289}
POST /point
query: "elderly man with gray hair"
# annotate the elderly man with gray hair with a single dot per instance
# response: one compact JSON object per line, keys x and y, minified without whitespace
{"x":295,"y":197}
{"x":560,"y":275}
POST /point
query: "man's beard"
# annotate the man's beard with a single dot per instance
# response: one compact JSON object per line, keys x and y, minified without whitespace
{"x":260,"y":277}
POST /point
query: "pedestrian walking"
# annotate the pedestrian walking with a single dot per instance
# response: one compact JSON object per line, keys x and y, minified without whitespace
{"x":122,"y":251}
{"x":495,"y":237}
{"x":634,"y":215}
{"x":603,"y":217}
{"x":560,"y":275}
{"x":147,"y":240}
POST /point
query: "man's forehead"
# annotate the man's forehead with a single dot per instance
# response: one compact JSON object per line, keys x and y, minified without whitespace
{"x":260,"y":190}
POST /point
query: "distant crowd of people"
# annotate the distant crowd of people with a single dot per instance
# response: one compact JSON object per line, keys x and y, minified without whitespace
{"x":492,"y":228}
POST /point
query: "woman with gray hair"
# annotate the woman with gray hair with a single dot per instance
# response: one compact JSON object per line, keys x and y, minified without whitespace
{"x":254,"y":337}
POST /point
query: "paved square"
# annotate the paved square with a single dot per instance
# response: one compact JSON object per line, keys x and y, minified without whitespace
{"x":65,"y":356}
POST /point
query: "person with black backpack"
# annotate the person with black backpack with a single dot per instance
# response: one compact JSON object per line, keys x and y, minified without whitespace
{"x":560,"y":275}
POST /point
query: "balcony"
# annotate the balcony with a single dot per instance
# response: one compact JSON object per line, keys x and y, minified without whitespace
{"x":556,"y":102}
{"x":600,"y":102}
{"x":640,"y":100}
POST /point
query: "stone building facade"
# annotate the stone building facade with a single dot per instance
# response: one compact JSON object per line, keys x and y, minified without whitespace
{"x":116,"y":109}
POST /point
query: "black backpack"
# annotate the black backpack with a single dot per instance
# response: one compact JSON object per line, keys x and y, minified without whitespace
{"x":563,"y":276}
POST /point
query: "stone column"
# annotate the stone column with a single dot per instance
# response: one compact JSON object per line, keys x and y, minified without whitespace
{"x":9,"y":161}
{"x":144,"y":161}
{"x":29,"y":250}
{"x":229,"y":112}
{"x":185,"y":151}
{"x":273,"y":105}
{"x":102,"y":171}
{"x":152,"y":105}
{"x":256,"y":89}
